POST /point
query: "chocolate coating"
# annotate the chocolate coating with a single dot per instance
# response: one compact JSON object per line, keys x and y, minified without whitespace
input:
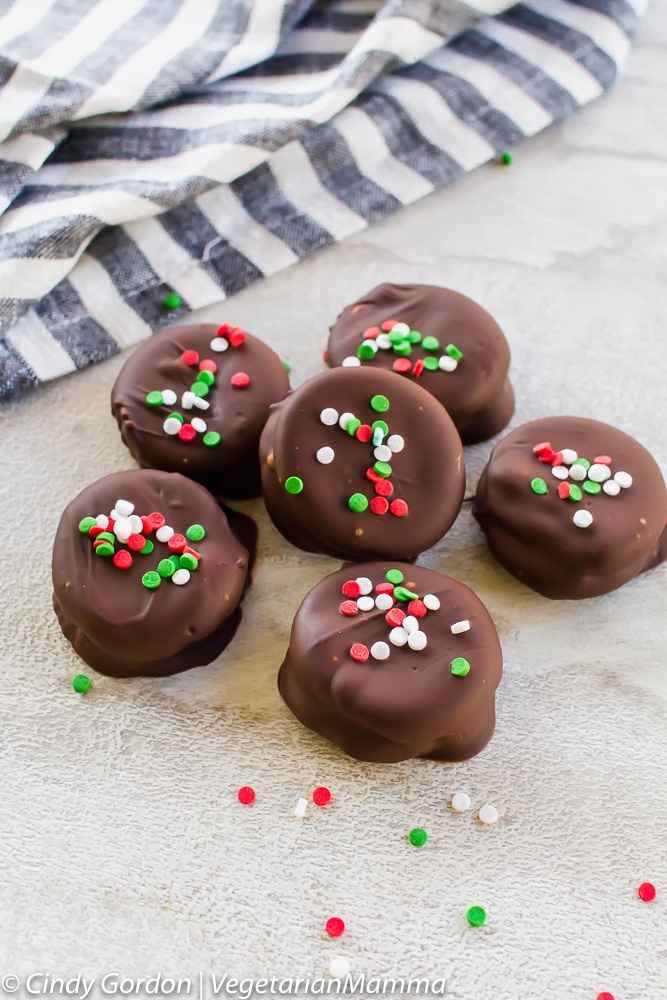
{"x":230,"y":468}
{"x":118,"y":626}
{"x":533,"y":536}
{"x":477,"y":394}
{"x":428,"y":473}
{"x":410,"y":704}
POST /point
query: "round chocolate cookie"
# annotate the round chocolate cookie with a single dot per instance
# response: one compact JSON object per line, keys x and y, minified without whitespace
{"x":194,"y":400}
{"x":572,"y":507}
{"x":441,"y":339}
{"x":148,"y":575}
{"x":362,"y":464}
{"x":390,"y":661}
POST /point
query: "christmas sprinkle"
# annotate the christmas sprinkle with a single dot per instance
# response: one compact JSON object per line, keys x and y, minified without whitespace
{"x":460,"y":802}
{"x":646,"y":892}
{"x":246,"y":795}
{"x":488,"y":814}
{"x":476,"y":916}
{"x":321,"y":796}
{"x":81,"y":683}
{"x":418,"y":837}
{"x":334,"y":927}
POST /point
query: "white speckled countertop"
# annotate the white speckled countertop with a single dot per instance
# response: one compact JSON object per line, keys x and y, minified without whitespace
{"x":123,"y":848}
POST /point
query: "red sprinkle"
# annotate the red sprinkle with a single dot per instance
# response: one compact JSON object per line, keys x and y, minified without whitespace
{"x":122,"y":559}
{"x":351,"y":588}
{"x":349,"y":608}
{"x":189,"y":357}
{"x":364,"y":433}
{"x":208,"y":365}
{"x":417,"y":608}
{"x":384,"y":588}
{"x":222,"y":330}
{"x":186,"y":432}
{"x":542,"y":446}
{"x":605,"y":996}
{"x":372,"y":332}
{"x":147,"y":526}
{"x":246,"y":795}
{"x":321,"y":796}
{"x":384,"y":488}
{"x":335,"y":926}
{"x":557,"y":459}
{"x":646,"y":890}
{"x":95,"y":531}
{"x":547,"y":456}
{"x":389,"y":324}
{"x":399,"y":508}
{"x":136,"y":542}
{"x":177,"y":543}
{"x":563,"y":490}
{"x":236,"y":336}
{"x":240,"y":380}
{"x":156,"y":520}
{"x":101,"y":541}
{"x":379,"y":505}
{"x":373,"y":476}
{"x":325,"y":355}
{"x":360,"y":653}
{"x":192,"y":552}
{"x":602,"y":460}
{"x":395,"y":617}
{"x":418,"y":368}
{"x":401,"y":365}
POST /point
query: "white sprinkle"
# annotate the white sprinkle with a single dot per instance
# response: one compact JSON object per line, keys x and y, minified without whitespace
{"x":410,"y":624}
{"x":137,"y":524}
{"x":325,"y":455}
{"x":339,"y":967}
{"x":365,"y":603}
{"x":447,"y":364}
{"x":201,"y":404}
{"x":400,"y":328}
{"x":560,"y":472}
{"x":122,"y":527}
{"x":431,"y":601}
{"x":380,"y":651}
{"x":350,"y":361}
{"x":187,"y":400}
{"x":383,"y":341}
{"x":384,"y":602}
{"x":488,"y":814}
{"x":578,"y":473}
{"x":219,"y":344}
{"x":169,"y":397}
{"x":164,"y":533}
{"x":624,"y":479}
{"x":382,"y":453}
{"x":462,"y":626}
{"x":417,"y":640}
{"x":115,"y":515}
{"x":378,"y":436}
{"x":365,"y":585}
{"x":395,"y":443}
{"x":171,"y":426}
{"x":102,"y":521}
{"x":398,"y":637}
{"x":611,"y":487}
{"x":460,"y":802}
{"x":599,"y":473}
{"x":124,"y":507}
{"x":582,"y":518}
{"x":569,"y":456}
{"x":329,"y":416}
{"x":344,"y":419}
{"x":180,"y":577}
{"x":199,"y":424}
{"x":371,"y":343}
{"x":300,"y":808}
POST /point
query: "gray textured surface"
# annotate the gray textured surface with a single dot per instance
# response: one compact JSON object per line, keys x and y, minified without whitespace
{"x":122,"y":845}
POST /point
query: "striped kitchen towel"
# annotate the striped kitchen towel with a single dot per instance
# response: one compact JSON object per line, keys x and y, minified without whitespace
{"x":189,"y":147}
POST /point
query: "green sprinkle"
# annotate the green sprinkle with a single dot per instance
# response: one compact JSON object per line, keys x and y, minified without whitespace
{"x":460,"y":666}
{"x":211,"y":438}
{"x":453,"y":352}
{"x":176,"y":416}
{"x":414,"y":337}
{"x":293,"y":484}
{"x":591,"y":487}
{"x":352,"y":425}
{"x":154,"y":398}
{"x":418,"y":837}
{"x":166,"y":568}
{"x":188,"y":561}
{"x":582,"y":461}
{"x":86,"y":524}
{"x":208,"y":378}
{"x":431,"y":364}
{"x":575,"y":493}
{"x":81,"y":683}
{"x":365,"y":351}
{"x":380,"y":404}
{"x":147,"y":549}
{"x":381,"y":424}
{"x":151,"y":580}
{"x":431,"y":344}
{"x":383,"y":469}
{"x":199,"y":389}
{"x":105,"y":549}
{"x":476,"y":915}
{"x":403,"y":349}
{"x":172,"y":301}
{"x":538,"y":485}
{"x":195,"y":533}
{"x":507,"y":159}
{"x":175,"y":561}
{"x":394,"y":576}
{"x":106,"y":536}
{"x":401,"y":594}
{"x":287,"y":366}
{"x":378,"y":436}
{"x":395,"y":337}
{"x":357,"y":502}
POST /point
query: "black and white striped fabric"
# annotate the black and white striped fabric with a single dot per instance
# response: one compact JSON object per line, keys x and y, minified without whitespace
{"x":193,"y":146}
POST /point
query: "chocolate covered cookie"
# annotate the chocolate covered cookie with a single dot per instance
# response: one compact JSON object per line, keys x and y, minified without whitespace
{"x":572,"y":507}
{"x":391,"y":661}
{"x":148,"y":575}
{"x":194,"y":400}
{"x":439,"y":338}
{"x":362,"y":464}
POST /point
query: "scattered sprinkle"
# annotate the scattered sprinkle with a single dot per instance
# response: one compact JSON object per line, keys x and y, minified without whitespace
{"x":246,"y":795}
{"x":476,"y":916}
{"x":350,"y":362}
{"x":460,"y":802}
{"x":211,"y":439}
{"x":418,"y":837}
{"x":219,"y":344}
{"x":394,"y":576}
{"x":325,"y":456}
{"x":359,"y":652}
{"x":339,"y":967}
{"x":624,"y":480}
{"x":358,"y":502}
{"x":240,"y":380}
{"x":300,"y":808}
{"x":380,"y":651}
{"x":538,"y":485}
{"x":322,"y":796}
{"x":364,"y":584}
{"x":611,"y":488}
{"x":582,"y":518}
{"x":488,"y":814}
{"x":172,"y":301}
{"x":432,"y":602}
{"x":293,"y":484}
{"x":460,"y":666}
{"x":646,"y":892}
{"x":81,"y":683}
{"x":151,"y":580}
{"x":334,"y":926}
{"x":462,"y":626}
{"x":380,"y":403}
